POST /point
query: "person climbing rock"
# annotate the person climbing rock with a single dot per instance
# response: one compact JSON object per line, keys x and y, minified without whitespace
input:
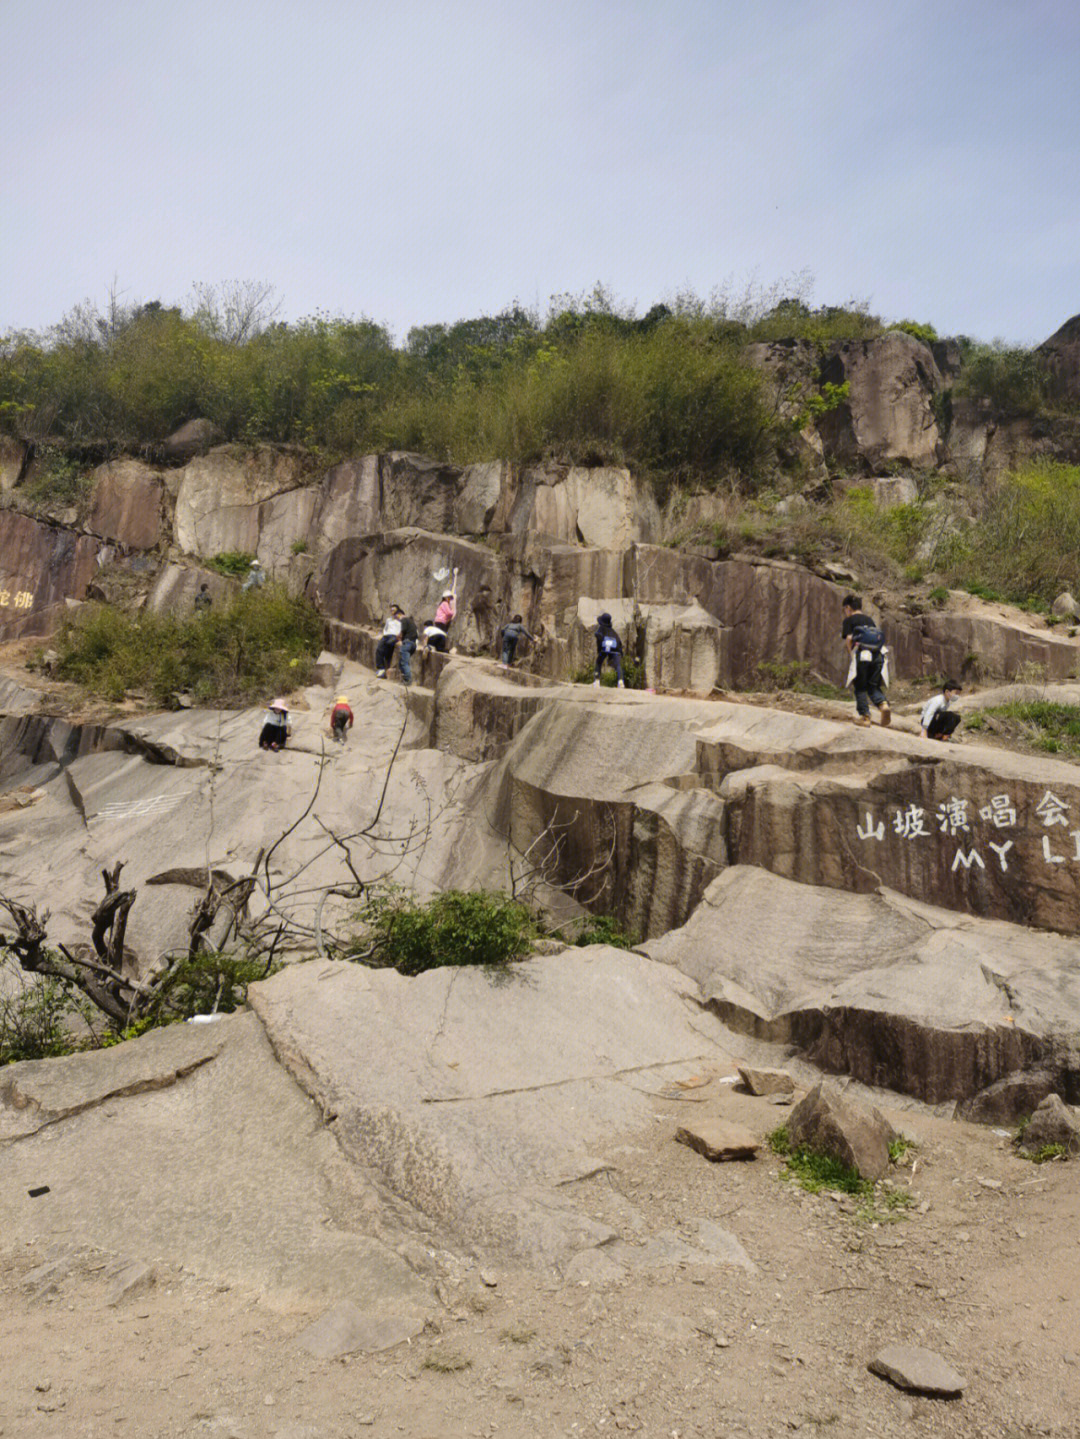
{"x":447,"y":611}
{"x":937,"y":720}
{"x":410,"y":638}
{"x":511,"y":633}
{"x":435,"y":637}
{"x":608,"y":648}
{"x":276,"y":728}
{"x":865,"y":643}
{"x":256,"y":577}
{"x":341,"y":718}
{"x":391,"y":633}
{"x":203,"y":600}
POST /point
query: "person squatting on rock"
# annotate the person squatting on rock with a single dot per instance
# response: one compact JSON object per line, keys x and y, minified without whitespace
{"x":276,"y":728}
{"x":869,"y":657}
{"x":341,"y":718}
{"x":410,"y":638}
{"x":511,"y":633}
{"x":937,"y":720}
{"x":435,"y":637}
{"x":391,"y":633}
{"x":608,"y":647}
{"x":256,"y":578}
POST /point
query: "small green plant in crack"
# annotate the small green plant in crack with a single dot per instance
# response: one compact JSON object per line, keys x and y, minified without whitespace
{"x":899,"y":1146}
{"x":816,"y":1172}
{"x":1049,"y":1152}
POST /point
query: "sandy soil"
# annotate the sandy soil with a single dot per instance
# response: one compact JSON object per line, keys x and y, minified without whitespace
{"x":985,"y":1269}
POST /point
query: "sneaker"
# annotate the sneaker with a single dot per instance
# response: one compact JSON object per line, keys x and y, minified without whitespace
{"x":863,"y":721}
{"x":886,"y":714}
{"x":380,"y":674}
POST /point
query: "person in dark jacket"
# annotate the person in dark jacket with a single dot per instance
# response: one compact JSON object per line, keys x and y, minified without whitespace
{"x":866,"y":644}
{"x":511,"y":633}
{"x":410,"y":637}
{"x":608,"y":648}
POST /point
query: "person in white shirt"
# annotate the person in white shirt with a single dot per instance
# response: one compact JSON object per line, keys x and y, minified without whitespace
{"x":938,"y":721}
{"x":391,"y":633}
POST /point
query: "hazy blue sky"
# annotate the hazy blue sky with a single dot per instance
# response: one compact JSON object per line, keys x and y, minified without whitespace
{"x":418,"y":161}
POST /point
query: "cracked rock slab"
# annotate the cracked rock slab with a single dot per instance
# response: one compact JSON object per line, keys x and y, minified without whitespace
{"x":347,"y":1329}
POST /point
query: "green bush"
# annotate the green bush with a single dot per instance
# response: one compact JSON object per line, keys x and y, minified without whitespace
{"x":36,"y":1020}
{"x":212,"y":983}
{"x":263,"y":641}
{"x":1026,"y":535}
{"x":458,"y":927}
{"x":605,"y":929}
{"x":233,"y":563}
{"x":1042,"y":724}
{"x":1013,"y":381}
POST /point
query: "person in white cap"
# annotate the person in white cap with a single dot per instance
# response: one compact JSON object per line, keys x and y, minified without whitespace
{"x":256,"y":577}
{"x":276,"y":729}
{"x":444,"y":615}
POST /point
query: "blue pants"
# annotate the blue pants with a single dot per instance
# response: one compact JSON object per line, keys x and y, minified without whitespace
{"x":616,"y":660}
{"x":404,"y":659}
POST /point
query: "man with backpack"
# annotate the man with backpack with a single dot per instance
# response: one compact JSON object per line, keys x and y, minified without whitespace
{"x":391,"y":633}
{"x":866,"y":645}
{"x":410,"y":638}
{"x":608,"y":648}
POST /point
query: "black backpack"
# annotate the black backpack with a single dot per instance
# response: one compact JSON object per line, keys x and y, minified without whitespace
{"x":869,"y":637}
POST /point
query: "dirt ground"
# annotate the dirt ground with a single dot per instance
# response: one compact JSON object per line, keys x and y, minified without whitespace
{"x":984,"y":1268}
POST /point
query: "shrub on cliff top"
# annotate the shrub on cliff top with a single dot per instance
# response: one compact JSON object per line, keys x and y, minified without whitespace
{"x":243,"y":652}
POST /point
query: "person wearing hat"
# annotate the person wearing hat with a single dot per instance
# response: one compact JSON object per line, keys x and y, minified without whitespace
{"x":608,"y":647}
{"x":276,"y":729}
{"x":256,"y":577}
{"x":444,"y":615}
{"x":341,"y":718}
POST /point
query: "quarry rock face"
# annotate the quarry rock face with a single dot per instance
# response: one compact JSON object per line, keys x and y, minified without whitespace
{"x":888,"y":415}
{"x":126,"y":505}
{"x":41,"y":567}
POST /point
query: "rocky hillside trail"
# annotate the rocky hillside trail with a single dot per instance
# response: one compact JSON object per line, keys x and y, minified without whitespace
{"x":470,"y":1203}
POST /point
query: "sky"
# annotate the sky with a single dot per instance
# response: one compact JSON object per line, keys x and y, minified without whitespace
{"x":419,"y":162}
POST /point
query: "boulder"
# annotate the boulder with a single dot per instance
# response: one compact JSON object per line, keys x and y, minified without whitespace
{"x":891,"y":490}
{"x":1051,"y":1124}
{"x":718,"y":1139}
{"x":765,"y":1081}
{"x":477,"y":497}
{"x":919,"y":1370}
{"x":13,"y":460}
{"x":889,"y":414}
{"x":1009,"y":1099}
{"x":1065,"y":606}
{"x":473,"y":1117}
{"x":685,"y":648}
{"x":126,"y":504}
{"x":176,"y":586}
{"x":832,"y":1123}
{"x":194,"y":437}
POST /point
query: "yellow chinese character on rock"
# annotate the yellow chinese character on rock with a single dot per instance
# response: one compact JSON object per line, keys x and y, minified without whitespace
{"x":5,"y":598}
{"x":24,"y":599}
